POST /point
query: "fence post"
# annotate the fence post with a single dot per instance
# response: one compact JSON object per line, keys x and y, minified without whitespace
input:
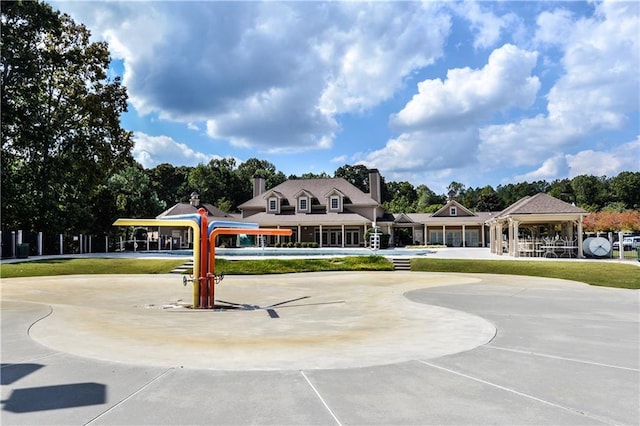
{"x":81,"y":243}
{"x":106,"y":244}
{"x":19,"y":238}
{"x":40,"y":243}
{"x":90,"y":245}
{"x":61,"y":239}
{"x":121,"y":244}
{"x":13,"y":243}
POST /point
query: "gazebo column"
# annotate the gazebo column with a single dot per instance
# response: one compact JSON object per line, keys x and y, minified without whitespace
{"x":516,"y":251}
{"x":580,"y":253}
{"x":492,"y":243}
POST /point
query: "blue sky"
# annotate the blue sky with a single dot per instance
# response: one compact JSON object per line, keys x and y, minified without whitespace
{"x":482,"y":93}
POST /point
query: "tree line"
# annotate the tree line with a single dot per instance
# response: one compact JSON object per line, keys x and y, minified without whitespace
{"x":67,"y":166}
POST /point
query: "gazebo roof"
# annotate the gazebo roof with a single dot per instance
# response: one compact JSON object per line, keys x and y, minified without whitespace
{"x":540,"y":204}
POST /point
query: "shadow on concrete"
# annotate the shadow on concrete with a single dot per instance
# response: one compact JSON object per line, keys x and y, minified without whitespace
{"x":11,"y":373}
{"x":55,"y":397}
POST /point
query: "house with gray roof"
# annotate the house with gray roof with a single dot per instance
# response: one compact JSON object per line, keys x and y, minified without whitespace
{"x":334,"y":213}
{"x":331,"y":212}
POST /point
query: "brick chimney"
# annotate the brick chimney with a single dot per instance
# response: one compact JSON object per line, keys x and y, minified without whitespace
{"x":374,"y":185}
{"x":258,"y":185}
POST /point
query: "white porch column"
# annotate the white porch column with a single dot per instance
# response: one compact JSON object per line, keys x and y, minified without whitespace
{"x":320,"y":236}
{"x":426,"y":236}
{"x":482,"y":235}
{"x":106,"y":243}
{"x":300,"y":235}
{"x":61,"y":237}
{"x":343,"y":236}
{"x":464,"y":240}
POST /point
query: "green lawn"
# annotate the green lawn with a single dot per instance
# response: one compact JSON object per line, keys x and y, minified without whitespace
{"x":281,"y":266}
{"x":37,"y":268}
{"x":604,"y":273}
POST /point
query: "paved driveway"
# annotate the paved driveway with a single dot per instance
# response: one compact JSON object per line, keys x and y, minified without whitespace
{"x":342,"y":348}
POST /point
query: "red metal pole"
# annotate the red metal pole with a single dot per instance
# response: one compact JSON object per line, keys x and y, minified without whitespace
{"x":203,"y":281}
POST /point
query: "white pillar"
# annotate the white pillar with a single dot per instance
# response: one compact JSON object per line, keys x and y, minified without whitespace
{"x":19,"y":237}
{"x":464,"y":238}
{"x":106,"y":244}
{"x":320,"y":236}
{"x":444,"y":235}
{"x":516,"y":249}
{"x":90,"y":241}
{"x":40,"y":243}
{"x":620,"y":246}
{"x":580,"y":253}
{"x":121,"y":244}
{"x":80,"y":243}
{"x":343,"y":236}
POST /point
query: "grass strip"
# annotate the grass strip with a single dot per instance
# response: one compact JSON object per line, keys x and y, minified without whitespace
{"x":283,"y":266}
{"x":52,"y":267}
{"x":594,"y":273}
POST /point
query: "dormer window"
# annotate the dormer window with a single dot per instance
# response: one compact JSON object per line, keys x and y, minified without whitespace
{"x":334,"y":203}
{"x":273,"y":204}
{"x":453,"y":211}
{"x":303,"y":204}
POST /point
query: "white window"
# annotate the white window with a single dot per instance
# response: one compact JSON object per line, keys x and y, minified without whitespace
{"x":273,"y":204}
{"x":453,"y":211}
{"x":303,"y":204}
{"x":335,"y":202}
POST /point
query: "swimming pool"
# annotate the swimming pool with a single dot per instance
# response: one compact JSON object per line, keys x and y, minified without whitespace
{"x":306,"y":252}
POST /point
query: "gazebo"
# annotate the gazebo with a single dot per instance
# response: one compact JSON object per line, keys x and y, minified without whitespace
{"x":538,"y":226}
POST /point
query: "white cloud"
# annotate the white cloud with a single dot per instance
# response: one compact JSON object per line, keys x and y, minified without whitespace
{"x":468,"y":96}
{"x":610,"y":162}
{"x":440,"y":123}
{"x":554,"y":27}
{"x":597,"y":91}
{"x":153,"y":150}
{"x":270,"y":75}
{"x":486,"y":25}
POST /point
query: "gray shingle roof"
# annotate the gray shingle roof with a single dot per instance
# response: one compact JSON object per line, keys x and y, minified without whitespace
{"x":540,"y":203}
{"x":318,"y":188}
{"x":186,"y":208}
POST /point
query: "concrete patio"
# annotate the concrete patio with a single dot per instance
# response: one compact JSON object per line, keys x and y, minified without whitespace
{"x":342,"y":348}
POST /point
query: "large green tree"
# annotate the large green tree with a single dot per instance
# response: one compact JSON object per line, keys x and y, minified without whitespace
{"x":60,"y":120}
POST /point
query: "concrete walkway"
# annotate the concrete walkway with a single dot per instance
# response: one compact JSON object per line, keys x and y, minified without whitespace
{"x":321,"y":348}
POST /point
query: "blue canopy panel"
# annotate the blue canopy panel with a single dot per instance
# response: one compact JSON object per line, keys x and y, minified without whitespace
{"x":230,"y":224}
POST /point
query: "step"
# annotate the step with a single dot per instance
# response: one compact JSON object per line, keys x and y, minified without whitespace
{"x":401,"y":264}
{"x":183,"y":268}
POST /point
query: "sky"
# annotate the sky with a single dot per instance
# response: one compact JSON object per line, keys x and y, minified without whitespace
{"x":476,"y":92}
